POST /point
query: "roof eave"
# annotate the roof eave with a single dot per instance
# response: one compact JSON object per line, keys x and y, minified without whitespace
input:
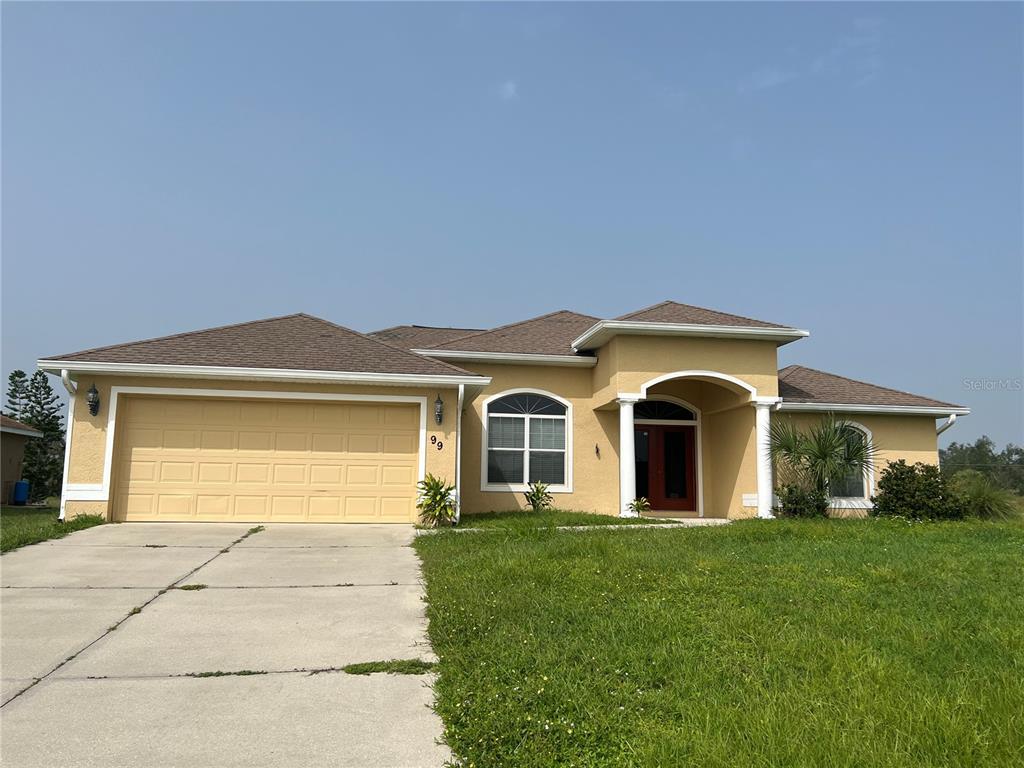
{"x":906,"y":410}
{"x":601,"y":332}
{"x":262,"y":374}
{"x":20,"y":431}
{"x":510,"y":358}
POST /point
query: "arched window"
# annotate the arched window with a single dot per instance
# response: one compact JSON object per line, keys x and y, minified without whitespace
{"x":662,"y":410}
{"x":526,"y":441}
{"x":855,"y":484}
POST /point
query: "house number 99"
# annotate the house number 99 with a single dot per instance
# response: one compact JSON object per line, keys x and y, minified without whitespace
{"x":435,"y":441}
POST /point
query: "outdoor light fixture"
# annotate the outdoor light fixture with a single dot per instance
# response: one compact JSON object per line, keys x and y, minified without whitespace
{"x":92,"y":397}
{"x":439,"y":410}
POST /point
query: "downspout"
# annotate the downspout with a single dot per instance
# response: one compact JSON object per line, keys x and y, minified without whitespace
{"x":72,"y":388}
{"x":458,"y":455}
{"x":948,"y":423}
{"x":69,"y":385}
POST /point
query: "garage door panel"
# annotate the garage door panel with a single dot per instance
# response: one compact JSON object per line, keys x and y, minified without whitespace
{"x":326,"y":474}
{"x":399,"y":444}
{"x":210,"y":472}
{"x":183,"y":459}
{"x":290,"y":474}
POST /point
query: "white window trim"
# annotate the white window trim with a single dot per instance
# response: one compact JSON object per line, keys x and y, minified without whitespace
{"x":859,"y":502}
{"x":102,"y":492}
{"x":566,"y":487}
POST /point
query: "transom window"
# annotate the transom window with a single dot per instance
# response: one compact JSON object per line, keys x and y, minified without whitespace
{"x":853,"y":485}
{"x":662,"y":410}
{"x":526,"y":440}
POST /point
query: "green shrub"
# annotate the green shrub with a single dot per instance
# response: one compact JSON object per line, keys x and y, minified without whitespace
{"x":918,"y":492}
{"x":640,"y":505}
{"x":981,"y":497}
{"x":797,"y":501}
{"x":436,"y":502}
{"x":538,"y":497}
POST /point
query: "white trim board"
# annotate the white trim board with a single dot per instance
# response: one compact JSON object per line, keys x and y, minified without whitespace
{"x":907,"y":410}
{"x":101,"y":491}
{"x":582,"y":361}
{"x":602,"y":331}
{"x":268,"y":374}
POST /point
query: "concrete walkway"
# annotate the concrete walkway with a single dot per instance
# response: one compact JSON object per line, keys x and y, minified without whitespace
{"x":106,"y":662}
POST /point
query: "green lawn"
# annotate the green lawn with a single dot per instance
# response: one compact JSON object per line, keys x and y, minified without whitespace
{"x":27,"y":525}
{"x":520,"y":520}
{"x":782,"y":643}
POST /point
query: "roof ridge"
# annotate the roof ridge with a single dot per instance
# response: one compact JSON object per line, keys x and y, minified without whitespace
{"x":389,"y":345}
{"x":180,"y":335}
{"x":876,"y":386}
{"x":626,"y":316}
{"x":446,"y":344}
{"x":426,"y":327}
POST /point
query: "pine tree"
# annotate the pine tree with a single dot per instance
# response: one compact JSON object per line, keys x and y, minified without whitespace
{"x":44,"y":456}
{"x":17,"y":395}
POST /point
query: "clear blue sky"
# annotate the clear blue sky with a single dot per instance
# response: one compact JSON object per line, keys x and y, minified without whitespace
{"x":853,"y":169}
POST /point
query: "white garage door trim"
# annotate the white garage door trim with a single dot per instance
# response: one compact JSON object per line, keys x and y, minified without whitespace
{"x":101,"y":491}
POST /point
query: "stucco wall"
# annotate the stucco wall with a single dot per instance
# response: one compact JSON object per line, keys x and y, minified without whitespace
{"x":89,"y":433}
{"x":911,"y":438}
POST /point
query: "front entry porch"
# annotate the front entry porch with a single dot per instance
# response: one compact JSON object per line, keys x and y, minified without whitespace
{"x":696,"y":445}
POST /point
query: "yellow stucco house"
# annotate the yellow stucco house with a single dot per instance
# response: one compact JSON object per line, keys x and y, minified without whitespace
{"x":298,"y":419}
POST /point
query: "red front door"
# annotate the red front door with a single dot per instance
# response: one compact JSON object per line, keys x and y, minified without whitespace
{"x":666,"y":466}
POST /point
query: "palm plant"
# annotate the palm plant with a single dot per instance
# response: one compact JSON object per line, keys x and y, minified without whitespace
{"x":824,"y":455}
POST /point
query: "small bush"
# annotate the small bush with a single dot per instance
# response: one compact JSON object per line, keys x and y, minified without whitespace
{"x":796,"y":501}
{"x":538,"y":497}
{"x":436,"y":502}
{"x":918,"y":492}
{"x":640,"y":505}
{"x":981,"y":497}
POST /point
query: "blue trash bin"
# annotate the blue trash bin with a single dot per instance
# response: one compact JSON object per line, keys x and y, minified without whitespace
{"x":19,"y":496}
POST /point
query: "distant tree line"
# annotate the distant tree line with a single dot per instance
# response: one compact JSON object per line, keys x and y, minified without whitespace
{"x":32,"y":401}
{"x":1005,"y":468}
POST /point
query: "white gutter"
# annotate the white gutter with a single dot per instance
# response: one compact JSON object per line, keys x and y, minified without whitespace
{"x":69,"y":384}
{"x":603,"y":330}
{"x":19,"y":431}
{"x":948,"y":423}
{"x":583,"y":361}
{"x":907,"y":410}
{"x":282,"y":374}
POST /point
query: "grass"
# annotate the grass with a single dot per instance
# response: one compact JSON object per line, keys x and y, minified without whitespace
{"x":797,"y":643}
{"x":20,"y":526}
{"x":521,"y":520}
{"x":191,"y":587}
{"x":391,"y":667}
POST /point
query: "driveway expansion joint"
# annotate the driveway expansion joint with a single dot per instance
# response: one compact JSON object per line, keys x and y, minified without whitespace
{"x":133,"y":612}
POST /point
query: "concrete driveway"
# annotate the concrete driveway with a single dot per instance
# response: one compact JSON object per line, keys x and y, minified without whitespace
{"x":106,"y":661}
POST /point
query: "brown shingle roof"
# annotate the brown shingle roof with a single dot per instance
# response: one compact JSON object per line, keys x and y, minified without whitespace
{"x":6,"y":422}
{"x":420,"y":336}
{"x":292,"y":342}
{"x":798,"y":384}
{"x":550,"y":334}
{"x":686,"y":314}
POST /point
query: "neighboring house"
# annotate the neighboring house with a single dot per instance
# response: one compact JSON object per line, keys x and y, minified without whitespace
{"x":297,"y":419}
{"x":13,"y":436}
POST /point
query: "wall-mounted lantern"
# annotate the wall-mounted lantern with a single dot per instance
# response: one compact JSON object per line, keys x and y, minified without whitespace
{"x":439,"y":410}
{"x":92,"y":397}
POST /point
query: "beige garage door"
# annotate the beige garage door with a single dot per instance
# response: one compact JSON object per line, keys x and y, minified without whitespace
{"x":265,"y":460}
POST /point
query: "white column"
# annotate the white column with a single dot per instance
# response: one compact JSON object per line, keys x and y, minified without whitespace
{"x":627,"y":458}
{"x":764,"y":459}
